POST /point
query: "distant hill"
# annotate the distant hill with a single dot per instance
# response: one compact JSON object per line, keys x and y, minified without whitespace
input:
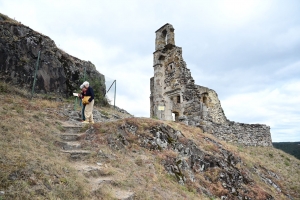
{"x":292,"y":148}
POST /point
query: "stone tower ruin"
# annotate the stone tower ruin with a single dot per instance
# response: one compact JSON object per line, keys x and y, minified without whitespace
{"x":175,"y":96}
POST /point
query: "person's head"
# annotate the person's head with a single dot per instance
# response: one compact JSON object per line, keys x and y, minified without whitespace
{"x":86,"y":84}
{"x":83,"y":89}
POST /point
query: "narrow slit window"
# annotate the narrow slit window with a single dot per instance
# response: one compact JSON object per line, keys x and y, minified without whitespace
{"x":164,"y":34}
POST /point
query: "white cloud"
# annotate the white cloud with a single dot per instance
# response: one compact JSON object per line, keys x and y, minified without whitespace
{"x":277,"y":107}
{"x":89,"y":48}
{"x":235,"y":13}
{"x":133,"y":83}
{"x":289,"y":70}
{"x":247,"y":51}
{"x":288,"y":38}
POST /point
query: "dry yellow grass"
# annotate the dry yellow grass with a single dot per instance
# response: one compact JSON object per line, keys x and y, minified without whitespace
{"x":284,"y":165}
{"x":32,"y":167}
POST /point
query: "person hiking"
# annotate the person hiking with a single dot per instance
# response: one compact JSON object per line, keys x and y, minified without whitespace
{"x":88,"y":111}
{"x":81,"y":96}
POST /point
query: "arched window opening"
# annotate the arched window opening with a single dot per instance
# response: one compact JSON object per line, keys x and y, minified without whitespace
{"x":170,"y":67}
{"x":161,"y":57}
{"x":205,"y":100}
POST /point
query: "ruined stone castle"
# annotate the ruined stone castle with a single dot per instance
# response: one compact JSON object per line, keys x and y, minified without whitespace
{"x":175,"y":96}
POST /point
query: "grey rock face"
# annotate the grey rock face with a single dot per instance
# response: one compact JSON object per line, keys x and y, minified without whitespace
{"x":58,"y":72}
{"x":218,"y":165}
{"x":175,"y":96}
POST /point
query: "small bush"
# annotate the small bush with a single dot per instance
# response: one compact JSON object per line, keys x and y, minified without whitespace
{"x":3,"y":87}
{"x":24,"y":59}
{"x":271,"y":155}
{"x":287,"y":163}
{"x":104,"y":113}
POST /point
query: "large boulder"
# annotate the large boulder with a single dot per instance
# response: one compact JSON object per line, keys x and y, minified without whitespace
{"x":58,"y":73}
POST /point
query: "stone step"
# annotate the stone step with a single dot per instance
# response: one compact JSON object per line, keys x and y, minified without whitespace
{"x":68,"y":145}
{"x":117,"y":193}
{"x":72,"y":146}
{"x":122,"y":194}
{"x":70,"y":136}
{"x":76,"y":151}
{"x":96,"y":182}
{"x":77,"y":154}
{"x":72,"y":129}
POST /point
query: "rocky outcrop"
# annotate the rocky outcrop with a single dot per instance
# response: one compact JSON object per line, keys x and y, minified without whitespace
{"x":210,"y":169}
{"x":58,"y":72}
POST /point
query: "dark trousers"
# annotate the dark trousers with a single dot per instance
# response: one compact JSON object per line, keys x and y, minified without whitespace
{"x":82,"y":112}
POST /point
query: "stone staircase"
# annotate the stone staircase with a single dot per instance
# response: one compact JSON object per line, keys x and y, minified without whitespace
{"x":70,"y":143}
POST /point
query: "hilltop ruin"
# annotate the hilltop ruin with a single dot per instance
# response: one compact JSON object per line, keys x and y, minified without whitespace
{"x":175,"y":96}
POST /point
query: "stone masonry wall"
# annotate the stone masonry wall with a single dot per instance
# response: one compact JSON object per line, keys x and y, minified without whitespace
{"x":210,"y":100}
{"x":247,"y":134}
{"x":175,"y":96}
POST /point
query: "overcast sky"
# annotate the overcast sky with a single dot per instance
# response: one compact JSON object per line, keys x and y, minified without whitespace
{"x":247,"y":51}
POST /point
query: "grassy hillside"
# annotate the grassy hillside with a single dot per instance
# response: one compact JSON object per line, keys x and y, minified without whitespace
{"x":32,"y":166}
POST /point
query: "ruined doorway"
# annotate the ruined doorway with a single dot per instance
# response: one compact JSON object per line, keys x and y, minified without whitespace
{"x":175,"y":116}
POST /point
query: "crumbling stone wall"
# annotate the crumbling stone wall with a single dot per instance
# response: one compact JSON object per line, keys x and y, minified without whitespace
{"x":175,"y":96}
{"x":247,"y":134}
